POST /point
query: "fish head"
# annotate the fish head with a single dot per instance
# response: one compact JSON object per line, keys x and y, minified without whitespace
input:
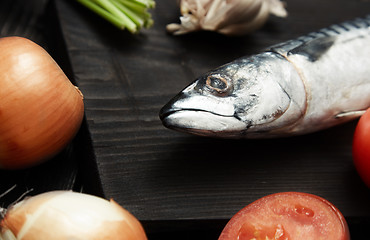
{"x":240,"y":99}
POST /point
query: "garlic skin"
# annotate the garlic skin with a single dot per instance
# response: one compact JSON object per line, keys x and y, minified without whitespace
{"x":228,"y":17}
{"x":68,"y":215}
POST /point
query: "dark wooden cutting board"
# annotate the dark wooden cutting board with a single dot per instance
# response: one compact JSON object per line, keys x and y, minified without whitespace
{"x":165,"y":177}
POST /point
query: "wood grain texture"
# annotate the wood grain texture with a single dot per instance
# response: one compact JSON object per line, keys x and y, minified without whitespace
{"x":163,"y":176}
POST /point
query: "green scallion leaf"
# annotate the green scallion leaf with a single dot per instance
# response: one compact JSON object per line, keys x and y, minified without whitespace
{"x":124,"y":14}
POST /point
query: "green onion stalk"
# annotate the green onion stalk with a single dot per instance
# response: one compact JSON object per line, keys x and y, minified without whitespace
{"x":132,"y":15}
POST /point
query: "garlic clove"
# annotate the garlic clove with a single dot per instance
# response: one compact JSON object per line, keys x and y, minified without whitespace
{"x":188,"y":24}
{"x":248,"y":26}
{"x":243,"y":14}
{"x":229,"y":17}
{"x":277,"y":8}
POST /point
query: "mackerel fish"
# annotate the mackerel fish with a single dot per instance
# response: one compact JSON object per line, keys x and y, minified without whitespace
{"x":297,"y":87}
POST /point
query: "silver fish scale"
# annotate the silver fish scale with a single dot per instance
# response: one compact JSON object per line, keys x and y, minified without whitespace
{"x":299,"y":86}
{"x":332,"y":31}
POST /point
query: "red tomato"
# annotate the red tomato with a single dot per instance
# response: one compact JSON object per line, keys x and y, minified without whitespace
{"x":287,"y":215}
{"x":361,"y":147}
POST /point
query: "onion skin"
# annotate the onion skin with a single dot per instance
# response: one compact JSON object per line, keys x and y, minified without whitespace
{"x":40,"y":109}
{"x":66,"y":215}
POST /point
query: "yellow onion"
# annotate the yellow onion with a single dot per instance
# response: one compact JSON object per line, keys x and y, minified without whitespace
{"x":67,"y":215}
{"x":40,"y":109}
{"x":229,"y":17}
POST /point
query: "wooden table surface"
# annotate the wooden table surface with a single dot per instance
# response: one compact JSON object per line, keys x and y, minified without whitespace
{"x":173,"y":182}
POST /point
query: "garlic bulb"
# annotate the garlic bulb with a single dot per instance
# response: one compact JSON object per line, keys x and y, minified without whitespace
{"x":229,"y":17}
{"x":61,"y":215}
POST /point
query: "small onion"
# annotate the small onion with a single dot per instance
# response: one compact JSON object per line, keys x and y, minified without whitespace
{"x":40,"y":109}
{"x":65,"y":215}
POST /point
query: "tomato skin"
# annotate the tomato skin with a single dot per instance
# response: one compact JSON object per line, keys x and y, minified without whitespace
{"x":287,"y":216}
{"x":361,"y":147}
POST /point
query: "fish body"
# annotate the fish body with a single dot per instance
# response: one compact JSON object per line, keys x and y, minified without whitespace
{"x":297,"y":87}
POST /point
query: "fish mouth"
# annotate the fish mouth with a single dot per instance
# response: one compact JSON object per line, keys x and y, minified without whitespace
{"x":165,"y":112}
{"x":193,"y":113}
{"x":200,"y":122}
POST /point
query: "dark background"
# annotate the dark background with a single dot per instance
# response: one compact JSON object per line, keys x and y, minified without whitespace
{"x":179,"y":186}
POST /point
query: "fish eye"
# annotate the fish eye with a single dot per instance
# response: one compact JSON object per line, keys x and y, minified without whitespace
{"x":217,"y":83}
